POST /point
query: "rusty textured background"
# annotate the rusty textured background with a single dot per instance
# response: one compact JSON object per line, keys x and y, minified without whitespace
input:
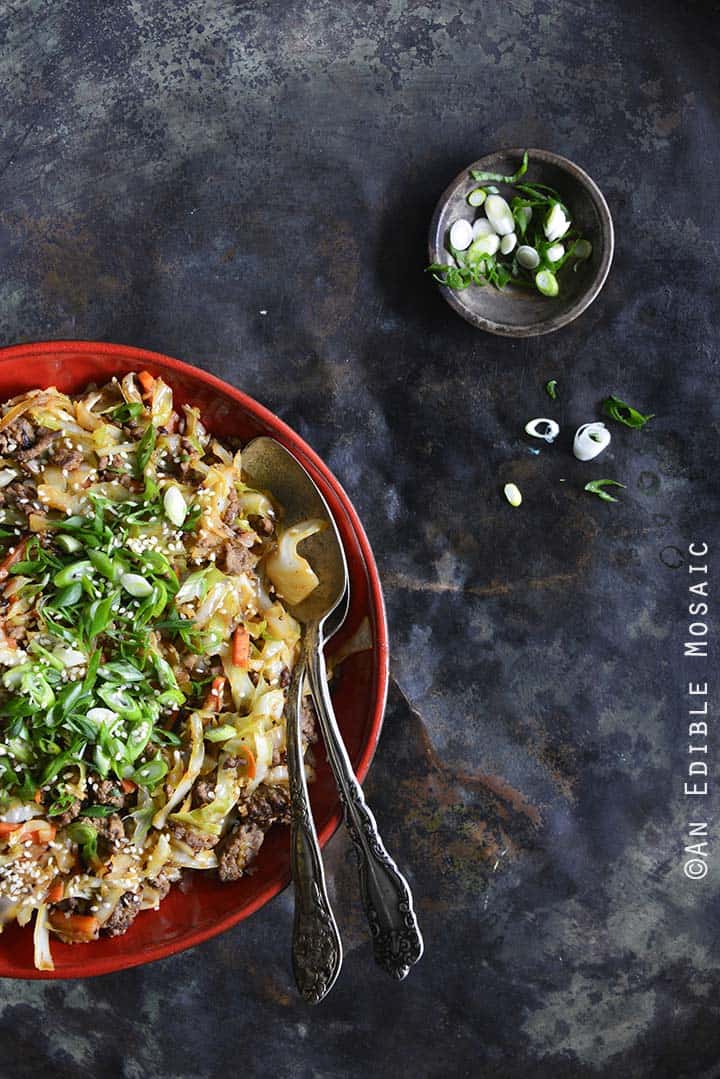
{"x":169,"y":171}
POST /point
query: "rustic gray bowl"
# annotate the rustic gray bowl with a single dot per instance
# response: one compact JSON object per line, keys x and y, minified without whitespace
{"x":516,"y":311}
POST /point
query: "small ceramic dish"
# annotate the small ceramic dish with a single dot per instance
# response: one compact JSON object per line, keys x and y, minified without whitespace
{"x":516,"y":311}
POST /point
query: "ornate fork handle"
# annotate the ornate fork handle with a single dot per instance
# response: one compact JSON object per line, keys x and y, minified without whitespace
{"x":316,"y":946}
{"x":386,"y":896}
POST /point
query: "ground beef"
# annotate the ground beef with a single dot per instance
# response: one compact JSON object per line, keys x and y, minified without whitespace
{"x":38,"y":447}
{"x":123,"y":916}
{"x":232,"y":509}
{"x":19,"y":435}
{"x":268,"y":805}
{"x":65,"y":457}
{"x":107,"y":793}
{"x":194,"y":840}
{"x":308,"y":720}
{"x":162,"y":884}
{"x":69,"y":815}
{"x":237,"y":558}
{"x":238,"y":850}
{"x":284,"y":679}
{"x":203,"y":792}
{"x":262,"y":525}
{"x":21,"y":493}
{"x":108,"y":828}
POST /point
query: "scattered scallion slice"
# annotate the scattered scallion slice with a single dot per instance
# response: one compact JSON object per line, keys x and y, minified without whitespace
{"x":551,"y":388}
{"x":624,"y":413}
{"x":512,"y":494}
{"x":595,"y":487}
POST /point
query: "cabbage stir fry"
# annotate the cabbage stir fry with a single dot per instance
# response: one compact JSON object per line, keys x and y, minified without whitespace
{"x":145,"y":654}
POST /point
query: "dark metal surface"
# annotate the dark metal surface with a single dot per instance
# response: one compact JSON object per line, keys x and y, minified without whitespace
{"x":249,"y":187}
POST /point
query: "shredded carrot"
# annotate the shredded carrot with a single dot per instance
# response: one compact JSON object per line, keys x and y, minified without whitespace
{"x":248,"y":755}
{"x":16,"y":556}
{"x":214,"y":697}
{"x":128,"y":786}
{"x":8,"y":829}
{"x":240,"y":647}
{"x":147,"y":382}
{"x":44,"y":830}
{"x":37,"y":796}
{"x":76,"y":927}
{"x":55,"y":892}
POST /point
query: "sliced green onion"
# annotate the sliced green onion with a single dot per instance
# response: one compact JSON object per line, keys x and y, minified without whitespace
{"x":74,"y":572}
{"x":477,"y":196}
{"x":103,"y":564}
{"x":547,"y":283}
{"x":581,"y":250}
{"x":527,"y":257}
{"x":136,"y":585}
{"x":551,"y":388}
{"x":150,"y":773}
{"x":595,"y":487}
{"x":499,"y":215}
{"x":68,"y":597}
{"x":119,"y":700}
{"x":175,"y":505}
{"x":497,"y":177}
{"x":220,"y":734}
{"x":68,"y":543}
{"x":146,"y":445}
{"x":623,"y":413}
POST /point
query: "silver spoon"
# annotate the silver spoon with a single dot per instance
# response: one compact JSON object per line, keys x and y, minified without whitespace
{"x":386,"y":896}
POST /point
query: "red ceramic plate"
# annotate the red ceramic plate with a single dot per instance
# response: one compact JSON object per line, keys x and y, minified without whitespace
{"x":208,"y":907}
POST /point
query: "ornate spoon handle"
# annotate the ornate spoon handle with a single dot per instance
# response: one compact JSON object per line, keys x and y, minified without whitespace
{"x":386,"y":896}
{"x":316,"y":946}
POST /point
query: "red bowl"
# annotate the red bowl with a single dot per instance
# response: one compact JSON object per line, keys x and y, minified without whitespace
{"x":207,"y":907}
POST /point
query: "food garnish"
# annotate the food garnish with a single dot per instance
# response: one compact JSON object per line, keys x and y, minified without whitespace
{"x":595,"y":487}
{"x":623,"y":413}
{"x":145,"y":651}
{"x":546,"y":429}
{"x":510,"y":240}
{"x":590,"y":440}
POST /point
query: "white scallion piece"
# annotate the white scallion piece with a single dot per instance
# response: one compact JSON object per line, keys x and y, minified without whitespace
{"x":484,"y":245}
{"x":70,"y":657}
{"x":507,"y":244}
{"x":556,"y":224}
{"x":482,"y":227}
{"x":547,"y":283}
{"x":136,"y":585}
{"x":512,"y":493}
{"x":543,"y":428}
{"x":555,"y":253}
{"x":103,"y":716}
{"x":499,"y":214}
{"x":477,"y":196}
{"x":590,"y":440}
{"x":582,"y":249}
{"x":527,"y":257}
{"x":460,"y":236}
{"x":175,"y":505}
